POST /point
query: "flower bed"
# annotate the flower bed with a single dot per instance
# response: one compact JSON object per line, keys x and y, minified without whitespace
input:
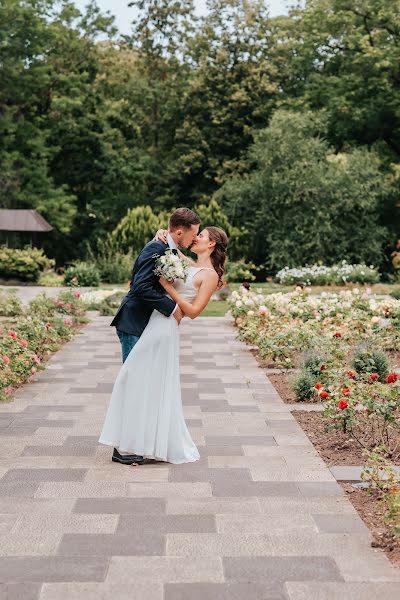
{"x":27,"y":340}
{"x":322,"y":275}
{"x":341,"y":343}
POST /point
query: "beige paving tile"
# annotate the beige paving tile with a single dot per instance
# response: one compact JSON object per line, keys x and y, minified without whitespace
{"x":128,"y":474}
{"x":188,"y":506}
{"x":127,"y":589}
{"x":214,"y":544}
{"x":92,"y":489}
{"x":165,"y":568}
{"x":298,"y":590}
{"x":168,"y":489}
{"x":264,"y":523}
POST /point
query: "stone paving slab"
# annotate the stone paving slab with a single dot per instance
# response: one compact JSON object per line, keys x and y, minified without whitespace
{"x":259,"y":517}
{"x":352,"y":473}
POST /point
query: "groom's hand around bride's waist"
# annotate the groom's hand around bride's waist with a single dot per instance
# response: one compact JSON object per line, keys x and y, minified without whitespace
{"x":178,"y":315}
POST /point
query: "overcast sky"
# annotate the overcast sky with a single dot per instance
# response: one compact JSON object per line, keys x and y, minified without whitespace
{"x":124,"y":15}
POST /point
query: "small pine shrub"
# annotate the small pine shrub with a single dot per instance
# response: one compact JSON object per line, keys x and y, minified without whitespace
{"x":304,"y":386}
{"x":371,"y":361}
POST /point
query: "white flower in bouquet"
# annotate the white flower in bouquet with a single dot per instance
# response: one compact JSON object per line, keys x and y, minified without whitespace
{"x":171,"y":267}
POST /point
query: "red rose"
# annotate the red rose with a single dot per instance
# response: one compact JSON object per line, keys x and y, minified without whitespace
{"x":374,"y":376}
{"x":351,"y":374}
{"x":322,"y":368}
{"x":346,"y":391}
{"x":337,"y":334}
{"x":23,"y":343}
{"x":323,"y":395}
{"x":343,"y":404}
{"x":318,"y":386}
{"x":392,"y":377}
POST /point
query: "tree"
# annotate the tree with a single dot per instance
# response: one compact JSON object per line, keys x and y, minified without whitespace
{"x":136,"y":229}
{"x":303,"y":203}
{"x":230,"y":93}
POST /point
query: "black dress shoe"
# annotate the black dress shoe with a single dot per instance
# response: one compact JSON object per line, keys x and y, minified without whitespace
{"x":127,"y":459}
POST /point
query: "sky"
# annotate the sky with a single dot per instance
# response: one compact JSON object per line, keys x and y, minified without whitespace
{"x":124,"y":15}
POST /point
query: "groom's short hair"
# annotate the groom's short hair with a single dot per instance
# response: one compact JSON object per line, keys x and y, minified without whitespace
{"x":183,"y":217}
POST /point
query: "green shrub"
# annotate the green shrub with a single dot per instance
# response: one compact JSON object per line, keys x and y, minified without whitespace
{"x":82,"y":273}
{"x":239,"y":271}
{"x":23,"y":264}
{"x":312,"y":363}
{"x":304,"y":386}
{"x":137,"y":228}
{"x":10,"y":304}
{"x":114,"y":267}
{"x":395,"y":293}
{"x":371,"y":361}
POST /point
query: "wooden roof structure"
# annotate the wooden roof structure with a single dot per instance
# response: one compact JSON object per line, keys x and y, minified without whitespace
{"x":22,"y":220}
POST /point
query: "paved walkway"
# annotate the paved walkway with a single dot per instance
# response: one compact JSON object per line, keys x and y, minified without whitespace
{"x":260,"y":517}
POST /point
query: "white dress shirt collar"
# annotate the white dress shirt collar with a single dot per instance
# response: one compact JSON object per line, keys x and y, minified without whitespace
{"x":171,"y":242}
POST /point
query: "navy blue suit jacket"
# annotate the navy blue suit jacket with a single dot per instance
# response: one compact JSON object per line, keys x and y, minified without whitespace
{"x":145,"y":293}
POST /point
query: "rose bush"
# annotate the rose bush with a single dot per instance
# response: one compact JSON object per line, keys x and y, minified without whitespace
{"x":349,"y":374}
{"x":27,"y":340}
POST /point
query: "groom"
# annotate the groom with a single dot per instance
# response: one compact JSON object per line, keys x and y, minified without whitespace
{"x":146,"y":294}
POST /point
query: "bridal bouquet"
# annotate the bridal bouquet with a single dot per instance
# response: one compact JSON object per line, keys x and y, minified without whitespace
{"x":170,"y":266}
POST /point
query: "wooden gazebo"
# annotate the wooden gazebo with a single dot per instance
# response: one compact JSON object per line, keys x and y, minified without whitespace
{"x":20,"y":226}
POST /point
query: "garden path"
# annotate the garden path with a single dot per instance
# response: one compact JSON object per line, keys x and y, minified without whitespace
{"x":26,"y":293}
{"x":258,"y":517}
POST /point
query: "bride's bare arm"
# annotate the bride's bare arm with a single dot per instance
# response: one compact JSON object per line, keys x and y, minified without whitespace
{"x":207,"y":287}
{"x":161,"y":235}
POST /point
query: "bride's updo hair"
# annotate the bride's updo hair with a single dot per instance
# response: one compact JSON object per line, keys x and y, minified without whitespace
{"x":218,"y":257}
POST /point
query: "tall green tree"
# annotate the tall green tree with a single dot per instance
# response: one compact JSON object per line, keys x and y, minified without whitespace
{"x":230,"y":93}
{"x":303,"y":203}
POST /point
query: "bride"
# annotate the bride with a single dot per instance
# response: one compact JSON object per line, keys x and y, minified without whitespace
{"x":145,"y":415}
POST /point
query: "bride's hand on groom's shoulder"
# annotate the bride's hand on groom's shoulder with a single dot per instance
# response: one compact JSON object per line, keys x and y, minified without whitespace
{"x":161,"y":236}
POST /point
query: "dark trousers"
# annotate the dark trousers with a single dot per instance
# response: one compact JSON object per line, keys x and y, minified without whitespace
{"x":127,"y":343}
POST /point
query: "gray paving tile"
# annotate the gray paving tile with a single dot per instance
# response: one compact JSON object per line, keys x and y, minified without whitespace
{"x":206,"y":474}
{"x":33,"y":475}
{"x":162,"y":524}
{"x":63,"y":450}
{"x":18,"y":488}
{"x":281,"y":568}
{"x":247,"y":440}
{"x":224,"y":591}
{"x":325,"y":488}
{"x":52,"y":568}
{"x":339,"y":523}
{"x":106,"y":544}
{"x":120,"y":506}
{"x":19,"y":591}
{"x":232,"y":488}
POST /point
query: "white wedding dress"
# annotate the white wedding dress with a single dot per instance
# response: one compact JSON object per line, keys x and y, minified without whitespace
{"x":145,"y":414}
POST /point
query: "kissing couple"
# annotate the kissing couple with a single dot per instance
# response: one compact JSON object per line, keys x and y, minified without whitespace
{"x":145,"y":416}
